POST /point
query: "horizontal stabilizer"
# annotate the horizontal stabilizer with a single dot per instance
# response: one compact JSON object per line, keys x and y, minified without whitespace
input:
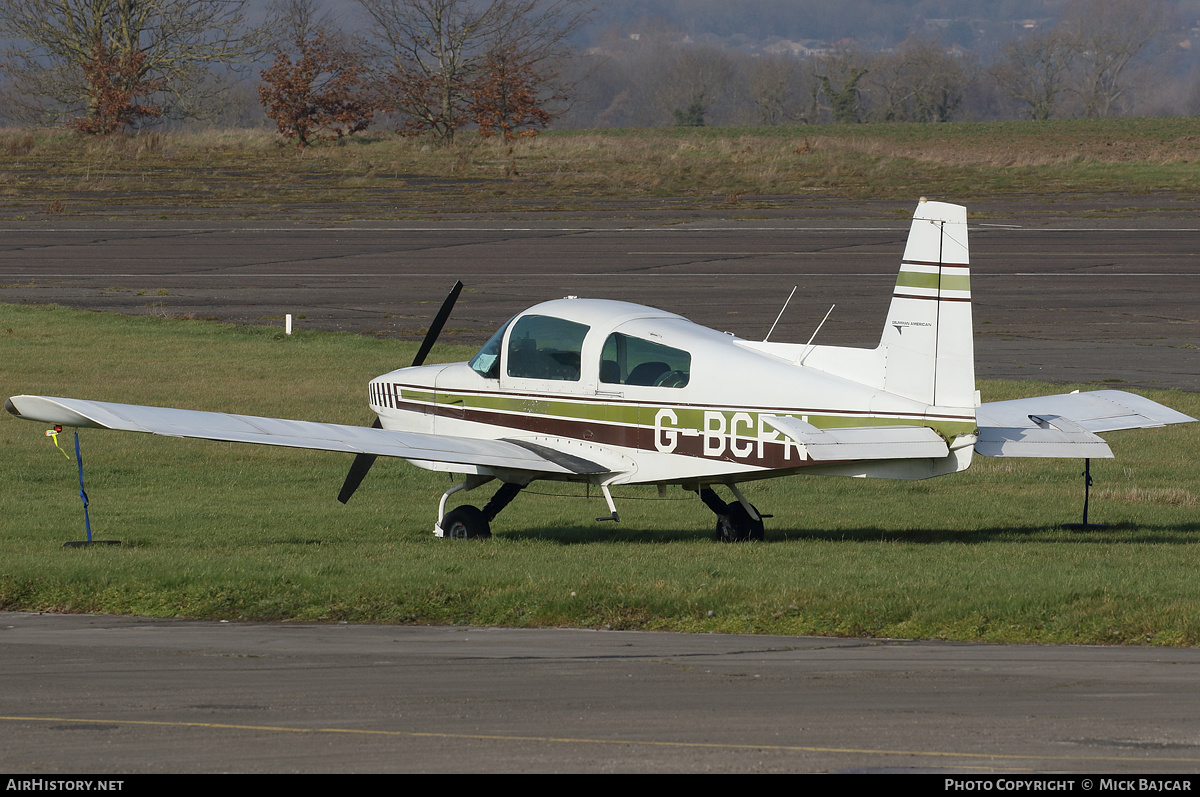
{"x":1066,"y":425}
{"x":997,"y":441}
{"x":861,"y":442}
{"x":294,"y":434}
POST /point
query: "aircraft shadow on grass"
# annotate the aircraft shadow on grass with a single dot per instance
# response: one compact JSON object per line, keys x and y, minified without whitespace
{"x":1182,"y":534}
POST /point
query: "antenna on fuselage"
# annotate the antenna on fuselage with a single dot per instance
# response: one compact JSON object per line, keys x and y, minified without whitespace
{"x":785,"y":304}
{"x":808,"y":346}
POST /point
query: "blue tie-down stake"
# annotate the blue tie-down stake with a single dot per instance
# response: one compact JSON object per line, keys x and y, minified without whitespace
{"x":87,"y":522}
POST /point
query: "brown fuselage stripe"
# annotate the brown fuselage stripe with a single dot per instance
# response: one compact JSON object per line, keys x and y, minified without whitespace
{"x":778,"y":454}
{"x":637,"y":437}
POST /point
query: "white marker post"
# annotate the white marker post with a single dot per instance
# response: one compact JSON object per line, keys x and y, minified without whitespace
{"x":287,"y":323}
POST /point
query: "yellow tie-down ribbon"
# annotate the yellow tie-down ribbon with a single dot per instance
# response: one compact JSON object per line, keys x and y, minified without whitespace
{"x":53,"y":434}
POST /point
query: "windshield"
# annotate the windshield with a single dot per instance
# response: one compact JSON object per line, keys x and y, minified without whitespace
{"x":486,"y":361}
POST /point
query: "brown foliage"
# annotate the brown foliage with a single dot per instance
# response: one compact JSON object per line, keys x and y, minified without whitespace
{"x":322,"y":96}
{"x":505,"y":97}
{"x":113,"y":82}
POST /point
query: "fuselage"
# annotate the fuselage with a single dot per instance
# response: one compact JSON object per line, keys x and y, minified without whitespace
{"x":672,"y":400}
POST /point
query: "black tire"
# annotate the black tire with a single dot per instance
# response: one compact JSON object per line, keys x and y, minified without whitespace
{"x":466,"y":523}
{"x":736,"y":525}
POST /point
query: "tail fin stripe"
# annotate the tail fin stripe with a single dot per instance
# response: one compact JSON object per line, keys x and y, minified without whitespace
{"x":933,"y":281}
{"x":933,"y":263}
{"x":942,"y":298}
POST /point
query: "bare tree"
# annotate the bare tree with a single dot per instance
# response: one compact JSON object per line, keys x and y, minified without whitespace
{"x":434,"y":49}
{"x":1034,"y":70}
{"x":919,"y":82}
{"x":689,"y":80}
{"x":175,"y":44}
{"x":779,"y":85}
{"x":1109,"y":37}
{"x":604,"y":94}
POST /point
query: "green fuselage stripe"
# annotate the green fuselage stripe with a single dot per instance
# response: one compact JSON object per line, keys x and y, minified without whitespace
{"x":643,"y":414}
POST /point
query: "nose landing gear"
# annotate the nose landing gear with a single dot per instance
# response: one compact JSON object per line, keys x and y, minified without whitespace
{"x":471,"y":523}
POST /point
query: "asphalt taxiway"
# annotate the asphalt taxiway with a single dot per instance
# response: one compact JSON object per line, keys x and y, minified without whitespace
{"x":1110,"y":300}
{"x":85,"y":694}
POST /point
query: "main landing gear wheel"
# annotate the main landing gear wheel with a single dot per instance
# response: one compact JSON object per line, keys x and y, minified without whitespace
{"x":466,"y":523}
{"x":736,"y":525}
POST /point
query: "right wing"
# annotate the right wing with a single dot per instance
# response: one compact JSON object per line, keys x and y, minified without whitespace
{"x":513,"y":455}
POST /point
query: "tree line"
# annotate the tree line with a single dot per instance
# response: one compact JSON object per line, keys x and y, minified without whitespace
{"x":510,"y":67}
{"x":431,"y":66}
{"x":1098,"y":58}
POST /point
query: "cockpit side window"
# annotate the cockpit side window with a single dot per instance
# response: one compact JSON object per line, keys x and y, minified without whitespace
{"x":626,"y":360}
{"x":486,"y":361}
{"x":542,"y":347}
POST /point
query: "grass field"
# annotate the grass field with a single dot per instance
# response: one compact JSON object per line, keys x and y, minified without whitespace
{"x":255,"y":174}
{"x":227,"y":531}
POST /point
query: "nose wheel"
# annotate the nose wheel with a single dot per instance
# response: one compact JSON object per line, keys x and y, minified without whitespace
{"x":466,"y":523}
{"x":469,"y":522}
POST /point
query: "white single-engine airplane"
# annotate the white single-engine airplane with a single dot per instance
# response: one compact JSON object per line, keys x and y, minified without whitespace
{"x":610,"y":393}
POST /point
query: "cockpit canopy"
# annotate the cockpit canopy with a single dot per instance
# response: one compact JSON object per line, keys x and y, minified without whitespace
{"x":541,"y":346}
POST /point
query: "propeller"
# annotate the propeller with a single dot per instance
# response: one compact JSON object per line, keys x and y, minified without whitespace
{"x":363,"y":462}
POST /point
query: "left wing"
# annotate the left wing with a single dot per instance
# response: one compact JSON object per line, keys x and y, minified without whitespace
{"x":513,"y":454}
{"x":1066,"y":425}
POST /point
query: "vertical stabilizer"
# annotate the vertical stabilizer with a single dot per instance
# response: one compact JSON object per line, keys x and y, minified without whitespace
{"x":927,"y":347}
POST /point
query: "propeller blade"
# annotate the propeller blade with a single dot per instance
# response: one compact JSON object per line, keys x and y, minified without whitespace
{"x":439,"y":321}
{"x":358,"y":470}
{"x":363,"y":462}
